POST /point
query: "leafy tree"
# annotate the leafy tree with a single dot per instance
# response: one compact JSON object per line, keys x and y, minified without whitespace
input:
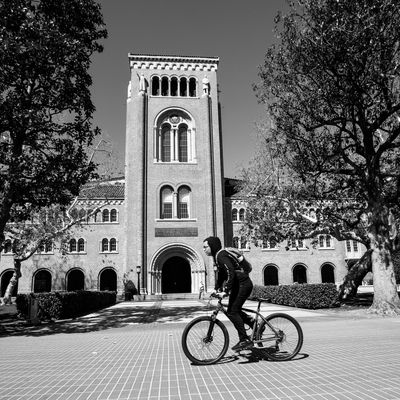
{"x":51,"y":226}
{"x":331,"y":89}
{"x":45,"y":103}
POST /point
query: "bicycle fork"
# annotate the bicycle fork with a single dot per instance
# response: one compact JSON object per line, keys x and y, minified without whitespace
{"x":209,"y":337}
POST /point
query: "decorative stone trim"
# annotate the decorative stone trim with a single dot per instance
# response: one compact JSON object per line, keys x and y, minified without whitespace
{"x":173,"y":63}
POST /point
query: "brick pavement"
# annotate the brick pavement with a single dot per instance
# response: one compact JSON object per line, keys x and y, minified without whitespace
{"x":133,"y":351}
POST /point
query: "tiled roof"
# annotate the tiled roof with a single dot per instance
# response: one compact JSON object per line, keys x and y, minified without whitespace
{"x":103,"y":191}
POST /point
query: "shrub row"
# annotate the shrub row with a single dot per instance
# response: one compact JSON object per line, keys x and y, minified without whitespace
{"x":61,"y":305}
{"x":313,"y":296}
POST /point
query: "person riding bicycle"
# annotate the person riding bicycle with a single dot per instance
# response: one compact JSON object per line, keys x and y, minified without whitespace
{"x":234,"y":283}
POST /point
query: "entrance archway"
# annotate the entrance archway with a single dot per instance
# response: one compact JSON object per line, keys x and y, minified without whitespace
{"x":5,"y":280}
{"x":176,"y":276}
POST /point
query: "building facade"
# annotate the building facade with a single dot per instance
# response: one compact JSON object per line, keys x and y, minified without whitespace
{"x":151,"y":223}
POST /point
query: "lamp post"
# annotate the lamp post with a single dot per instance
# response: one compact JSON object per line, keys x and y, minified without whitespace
{"x":138,"y":269}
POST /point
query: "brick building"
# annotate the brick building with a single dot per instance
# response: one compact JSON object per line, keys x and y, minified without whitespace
{"x":152,"y":222}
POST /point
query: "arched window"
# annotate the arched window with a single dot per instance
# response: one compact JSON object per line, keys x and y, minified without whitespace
{"x":113,"y":244}
{"x":182,"y":143}
{"x":72,"y":246}
{"x":325,"y":241}
{"x":192,"y":87}
{"x":183,"y":87}
{"x":46,"y":247}
{"x":234,"y":214}
{"x":166,"y":202}
{"x":269,"y":244}
{"x":174,"y":86}
{"x":81,"y":245}
{"x":42,"y":281}
{"x":299,"y":274}
{"x":106,"y":215}
{"x":104,"y":245}
{"x":174,"y":138}
{"x":327,"y":273}
{"x":164,"y":86}
{"x":166,"y":143}
{"x":241,"y":214}
{"x":271,"y":275}
{"x":328,"y":241}
{"x":183,"y":202}
{"x":113,"y":215}
{"x":155,"y":86}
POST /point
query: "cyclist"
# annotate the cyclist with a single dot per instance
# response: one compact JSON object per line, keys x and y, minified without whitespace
{"x":234,"y":283}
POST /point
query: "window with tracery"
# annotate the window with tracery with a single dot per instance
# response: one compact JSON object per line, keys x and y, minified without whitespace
{"x":175,"y":204}
{"x":175,"y":139}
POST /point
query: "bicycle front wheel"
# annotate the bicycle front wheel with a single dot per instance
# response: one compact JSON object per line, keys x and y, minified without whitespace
{"x":205,"y":341}
{"x":286,"y":341}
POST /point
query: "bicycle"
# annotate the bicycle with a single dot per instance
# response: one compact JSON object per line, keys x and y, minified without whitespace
{"x":205,"y":340}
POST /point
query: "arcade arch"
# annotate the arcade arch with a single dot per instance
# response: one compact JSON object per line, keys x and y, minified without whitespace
{"x":42,"y":281}
{"x":271,"y":276}
{"x":108,"y":279}
{"x":75,"y":280}
{"x":327,"y":273}
{"x":5,"y":280}
{"x":299,"y":273}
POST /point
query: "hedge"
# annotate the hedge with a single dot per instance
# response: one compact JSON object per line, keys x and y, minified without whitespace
{"x":312,"y":296}
{"x":62,"y":305}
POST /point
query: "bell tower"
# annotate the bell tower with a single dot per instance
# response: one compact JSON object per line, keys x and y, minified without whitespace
{"x":174,"y":175}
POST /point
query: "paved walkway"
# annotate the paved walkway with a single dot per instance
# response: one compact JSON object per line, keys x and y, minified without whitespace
{"x":133,"y":351}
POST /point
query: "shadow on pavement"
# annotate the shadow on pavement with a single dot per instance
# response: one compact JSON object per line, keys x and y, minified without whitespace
{"x":114,"y":317}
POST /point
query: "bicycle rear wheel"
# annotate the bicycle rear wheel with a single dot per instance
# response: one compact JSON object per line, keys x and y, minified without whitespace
{"x":205,"y":341}
{"x":288,"y":340}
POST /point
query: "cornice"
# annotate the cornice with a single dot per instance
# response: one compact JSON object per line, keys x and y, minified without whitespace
{"x":174,"y":63}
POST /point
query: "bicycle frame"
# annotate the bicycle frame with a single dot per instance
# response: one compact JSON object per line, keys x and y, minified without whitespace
{"x":275,"y":336}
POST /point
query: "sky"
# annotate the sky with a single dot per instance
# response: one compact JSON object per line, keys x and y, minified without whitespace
{"x":238,"y":32}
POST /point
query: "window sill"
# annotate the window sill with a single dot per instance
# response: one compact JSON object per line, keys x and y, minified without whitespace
{"x":160,"y":96}
{"x":108,"y":252}
{"x":102,"y":223}
{"x":270,"y":249}
{"x":77,"y":253}
{"x":174,"y":162}
{"x":176,"y":220}
{"x":326,"y":248}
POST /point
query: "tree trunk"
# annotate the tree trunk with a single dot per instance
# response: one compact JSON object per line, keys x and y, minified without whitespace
{"x":354,"y":276}
{"x":13,"y":282}
{"x":386,"y":298}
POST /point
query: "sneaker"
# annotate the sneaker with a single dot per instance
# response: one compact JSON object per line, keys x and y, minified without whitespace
{"x":244,"y":344}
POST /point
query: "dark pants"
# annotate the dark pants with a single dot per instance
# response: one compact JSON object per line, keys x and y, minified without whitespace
{"x":241,"y":289}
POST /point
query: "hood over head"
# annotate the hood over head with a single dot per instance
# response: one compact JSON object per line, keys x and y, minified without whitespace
{"x":214,"y":243}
